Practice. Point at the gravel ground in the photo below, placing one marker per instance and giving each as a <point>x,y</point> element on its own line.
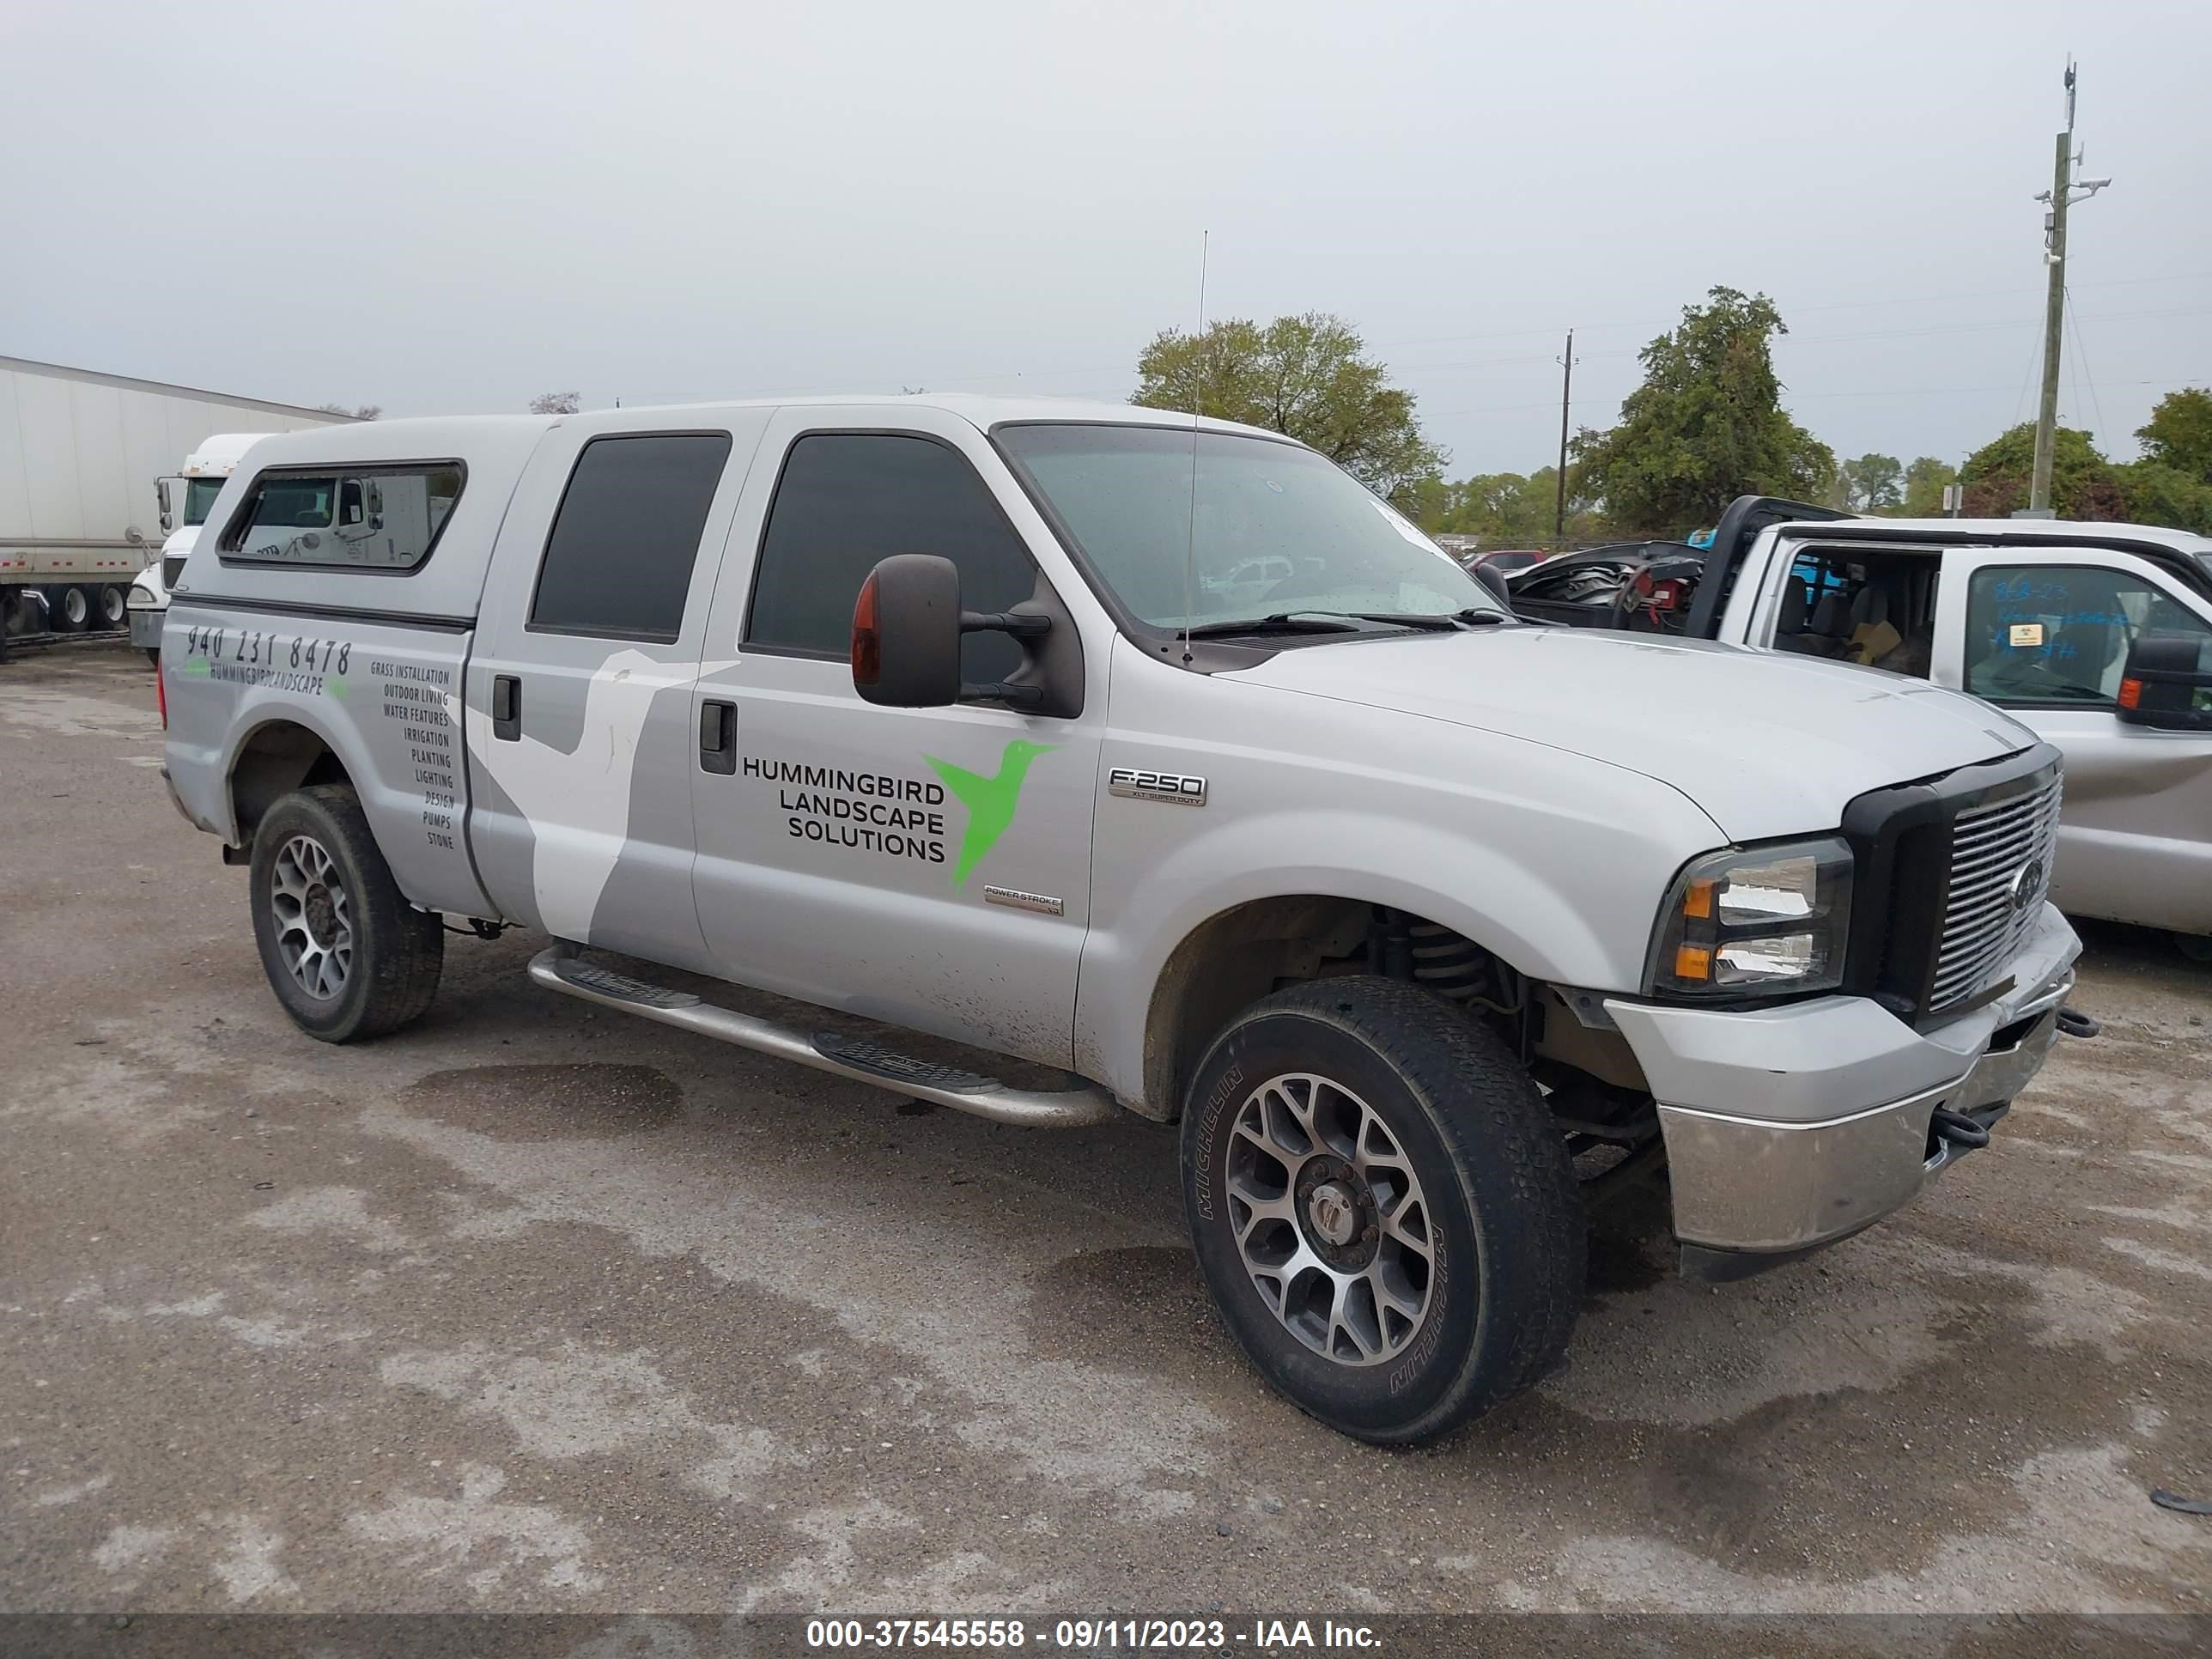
<point>532,1307</point>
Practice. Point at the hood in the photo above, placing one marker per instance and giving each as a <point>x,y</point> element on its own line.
<point>181,541</point>
<point>1767,743</point>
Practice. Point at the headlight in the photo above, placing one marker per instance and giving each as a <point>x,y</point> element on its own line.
<point>1754,921</point>
<point>141,598</point>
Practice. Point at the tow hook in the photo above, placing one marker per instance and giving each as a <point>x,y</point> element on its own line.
<point>1957,1129</point>
<point>2073,1023</point>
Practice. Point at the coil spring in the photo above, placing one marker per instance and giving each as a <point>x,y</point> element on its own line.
<point>1448,963</point>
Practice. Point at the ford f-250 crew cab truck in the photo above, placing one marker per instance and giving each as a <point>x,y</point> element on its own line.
<point>2096,636</point>
<point>1432,929</point>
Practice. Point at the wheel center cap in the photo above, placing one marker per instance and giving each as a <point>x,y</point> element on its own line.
<point>1333,1213</point>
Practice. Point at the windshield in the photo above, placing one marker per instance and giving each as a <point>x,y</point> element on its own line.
<point>1266,527</point>
<point>200,496</point>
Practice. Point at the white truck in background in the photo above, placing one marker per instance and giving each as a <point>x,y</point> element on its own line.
<point>185,497</point>
<point>77,450</point>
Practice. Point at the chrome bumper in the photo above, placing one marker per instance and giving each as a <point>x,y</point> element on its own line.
<point>146,629</point>
<point>1744,1185</point>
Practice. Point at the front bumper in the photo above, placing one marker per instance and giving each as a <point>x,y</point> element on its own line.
<point>146,628</point>
<point>1787,1128</point>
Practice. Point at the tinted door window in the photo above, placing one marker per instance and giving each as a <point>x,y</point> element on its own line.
<point>847,499</point>
<point>2058,634</point>
<point>618,562</point>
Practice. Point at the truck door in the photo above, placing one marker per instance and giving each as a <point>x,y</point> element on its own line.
<point>579,690</point>
<point>929,867</point>
<point>2044,633</point>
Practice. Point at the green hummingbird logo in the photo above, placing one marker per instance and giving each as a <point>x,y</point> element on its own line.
<point>990,801</point>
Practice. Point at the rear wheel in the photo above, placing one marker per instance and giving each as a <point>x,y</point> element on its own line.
<point>1381,1206</point>
<point>68,609</point>
<point>345,953</point>
<point>2198,947</point>
<point>110,609</point>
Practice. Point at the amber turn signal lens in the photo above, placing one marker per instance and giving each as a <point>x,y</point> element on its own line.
<point>867,649</point>
<point>1692,961</point>
<point>1697,899</point>
<point>2130,694</point>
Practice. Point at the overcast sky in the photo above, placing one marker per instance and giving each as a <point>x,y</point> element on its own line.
<point>449,208</point>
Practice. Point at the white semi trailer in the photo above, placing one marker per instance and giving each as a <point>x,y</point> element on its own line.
<point>79,514</point>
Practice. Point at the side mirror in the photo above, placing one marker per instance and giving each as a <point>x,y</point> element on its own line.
<point>169,522</point>
<point>1494,581</point>
<point>905,632</point>
<point>907,625</point>
<point>2167,683</point>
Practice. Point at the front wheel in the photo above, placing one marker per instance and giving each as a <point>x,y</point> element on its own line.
<point>2198,947</point>
<point>345,952</point>
<point>1383,1208</point>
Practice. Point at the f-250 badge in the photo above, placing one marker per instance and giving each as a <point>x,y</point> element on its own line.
<point>1138,784</point>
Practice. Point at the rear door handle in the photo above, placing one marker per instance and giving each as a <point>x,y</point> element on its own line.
<point>718,736</point>
<point>506,707</point>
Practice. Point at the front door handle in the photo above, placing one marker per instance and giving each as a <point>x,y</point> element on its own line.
<point>718,736</point>
<point>506,707</point>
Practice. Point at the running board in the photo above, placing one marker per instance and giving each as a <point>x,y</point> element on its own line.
<point>842,1055</point>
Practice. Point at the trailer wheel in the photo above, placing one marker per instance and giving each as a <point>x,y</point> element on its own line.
<point>346,954</point>
<point>112,610</point>
<point>68,610</point>
<point>1381,1206</point>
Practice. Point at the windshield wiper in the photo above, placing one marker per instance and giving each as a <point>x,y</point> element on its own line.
<point>1337,621</point>
<point>1281,622</point>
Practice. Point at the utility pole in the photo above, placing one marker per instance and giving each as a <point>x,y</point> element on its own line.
<point>1566,390</point>
<point>2060,197</point>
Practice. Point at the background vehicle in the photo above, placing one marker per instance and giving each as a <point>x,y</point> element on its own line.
<point>76,451</point>
<point>1505,559</point>
<point>1579,588</point>
<point>1433,928</point>
<point>2097,636</point>
<point>185,497</point>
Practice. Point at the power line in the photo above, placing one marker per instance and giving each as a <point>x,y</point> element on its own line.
<point>2081,357</point>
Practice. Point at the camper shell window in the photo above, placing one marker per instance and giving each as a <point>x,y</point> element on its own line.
<point>384,518</point>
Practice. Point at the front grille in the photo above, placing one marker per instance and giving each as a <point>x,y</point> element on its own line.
<point>1999,873</point>
<point>173,567</point>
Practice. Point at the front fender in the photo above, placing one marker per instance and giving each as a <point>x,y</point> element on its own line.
<point>1549,909</point>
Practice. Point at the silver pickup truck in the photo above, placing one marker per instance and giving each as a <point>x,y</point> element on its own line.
<point>1433,929</point>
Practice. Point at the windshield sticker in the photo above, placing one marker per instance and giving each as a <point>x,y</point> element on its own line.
<point>2026,633</point>
<point>1412,532</point>
<point>990,801</point>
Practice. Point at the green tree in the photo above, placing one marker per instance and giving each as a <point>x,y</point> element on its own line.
<point>1706,425</point>
<point>2158,494</point>
<point>1874,484</point>
<point>1925,480</point>
<point>2083,483</point>
<point>1309,376</point>
<point>2179,434</point>
<point>1510,509</point>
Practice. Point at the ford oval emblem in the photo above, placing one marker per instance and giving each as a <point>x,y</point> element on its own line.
<point>2026,884</point>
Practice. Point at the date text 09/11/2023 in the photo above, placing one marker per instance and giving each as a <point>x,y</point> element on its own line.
<point>1136,1634</point>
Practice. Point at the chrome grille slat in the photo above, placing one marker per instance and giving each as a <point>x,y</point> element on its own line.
<point>1981,926</point>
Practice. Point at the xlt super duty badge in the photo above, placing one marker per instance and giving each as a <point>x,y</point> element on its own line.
<point>1140,785</point>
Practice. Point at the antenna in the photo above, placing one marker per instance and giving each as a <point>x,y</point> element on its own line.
<point>1197,409</point>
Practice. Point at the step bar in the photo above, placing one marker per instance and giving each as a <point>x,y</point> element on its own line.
<point>559,968</point>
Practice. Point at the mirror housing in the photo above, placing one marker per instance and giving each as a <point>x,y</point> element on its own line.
<point>2167,683</point>
<point>1493,582</point>
<point>905,632</point>
<point>907,624</point>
